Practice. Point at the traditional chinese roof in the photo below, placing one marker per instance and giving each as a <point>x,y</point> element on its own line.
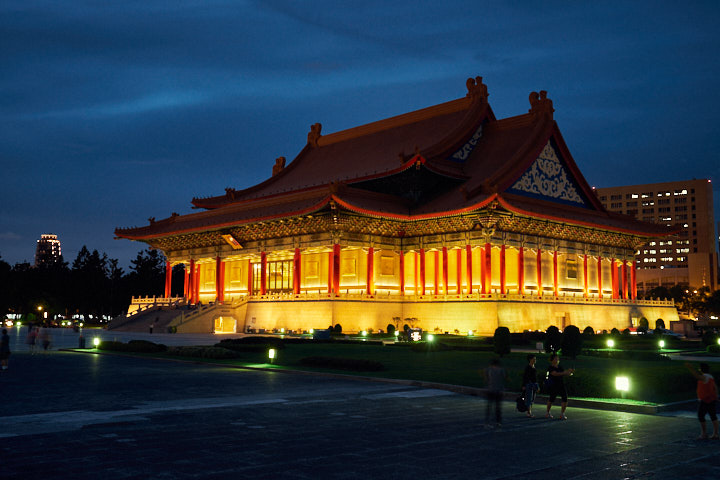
<point>450,159</point>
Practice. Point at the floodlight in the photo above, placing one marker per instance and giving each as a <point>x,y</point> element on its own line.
<point>271,355</point>
<point>661,343</point>
<point>96,341</point>
<point>430,337</point>
<point>622,384</point>
<point>611,343</point>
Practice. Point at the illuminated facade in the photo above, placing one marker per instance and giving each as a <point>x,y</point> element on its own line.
<point>689,258</point>
<point>48,250</point>
<point>446,218</point>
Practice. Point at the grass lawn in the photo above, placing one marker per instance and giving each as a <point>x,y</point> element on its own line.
<point>650,381</point>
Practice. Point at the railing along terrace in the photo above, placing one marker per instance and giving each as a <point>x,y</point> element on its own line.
<point>471,297</point>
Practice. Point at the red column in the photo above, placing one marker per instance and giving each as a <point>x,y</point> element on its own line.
<point>168,279</point>
<point>402,272</point>
<point>488,267</point>
<point>422,271</point>
<point>186,285</point>
<point>613,278</point>
<point>191,283</point>
<point>599,276</point>
<point>370,271</point>
<point>468,269</point>
<point>458,276</point>
<point>623,271</point>
<point>296,272</point>
<point>538,266</point>
<point>521,271</point>
<point>556,287</point>
<point>331,269</point>
<point>502,269</point>
<point>445,270</point>
<point>436,285</point>
<point>219,280</point>
<point>336,268</point>
<point>585,277</point>
<point>263,273</point>
<point>633,280</point>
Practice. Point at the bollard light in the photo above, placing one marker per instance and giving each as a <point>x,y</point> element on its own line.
<point>96,341</point>
<point>271,355</point>
<point>312,331</point>
<point>430,337</point>
<point>363,333</point>
<point>396,333</point>
<point>470,333</point>
<point>661,343</point>
<point>611,343</point>
<point>622,384</point>
<point>718,340</point>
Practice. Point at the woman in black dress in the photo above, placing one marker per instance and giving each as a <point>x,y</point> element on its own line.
<point>556,374</point>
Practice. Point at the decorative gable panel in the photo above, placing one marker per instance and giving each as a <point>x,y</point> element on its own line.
<point>548,179</point>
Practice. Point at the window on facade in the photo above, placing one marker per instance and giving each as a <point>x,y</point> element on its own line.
<point>663,209</point>
<point>648,203</point>
<point>631,204</point>
<point>571,267</point>
<point>635,195</point>
<point>616,205</point>
<point>615,197</point>
<point>647,195</point>
<point>681,192</point>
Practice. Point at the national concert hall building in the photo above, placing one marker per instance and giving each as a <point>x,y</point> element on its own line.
<point>445,218</point>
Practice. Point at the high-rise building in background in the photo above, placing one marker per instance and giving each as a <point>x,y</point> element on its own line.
<point>48,250</point>
<point>688,259</point>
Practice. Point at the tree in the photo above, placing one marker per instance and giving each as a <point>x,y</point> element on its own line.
<point>501,341</point>
<point>571,341</point>
<point>147,274</point>
<point>553,339</point>
<point>643,325</point>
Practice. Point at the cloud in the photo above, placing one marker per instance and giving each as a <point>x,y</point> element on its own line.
<point>12,236</point>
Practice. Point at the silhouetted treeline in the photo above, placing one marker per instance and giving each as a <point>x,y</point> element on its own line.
<point>93,285</point>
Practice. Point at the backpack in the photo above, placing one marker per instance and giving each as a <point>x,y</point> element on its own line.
<point>520,401</point>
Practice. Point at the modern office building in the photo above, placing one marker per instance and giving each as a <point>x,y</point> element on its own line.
<point>48,250</point>
<point>689,258</point>
<point>445,218</point>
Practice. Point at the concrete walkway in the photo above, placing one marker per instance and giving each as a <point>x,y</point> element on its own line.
<point>80,416</point>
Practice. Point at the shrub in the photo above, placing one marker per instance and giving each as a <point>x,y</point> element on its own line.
<point>715,348</point>
<point>501,340</point>
<point>391,328</point>
<point>435,346</point>
<point>251,344</point>
<point>202,352</point>
<point>626,332</point>
<point>615,332</point>
<point>588,331</point>
<point>354,364</point>
<point>643,323</point>
<point>337,328</point>
<point>134,346</point>
<point>660,324</point>
<point>553,339</point>
<point>571,341</point>
<point>709,338</point>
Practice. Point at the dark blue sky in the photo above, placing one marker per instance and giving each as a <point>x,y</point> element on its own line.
<point>110,114</point>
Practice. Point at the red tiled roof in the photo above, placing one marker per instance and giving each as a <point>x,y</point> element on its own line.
<point>428,138</point>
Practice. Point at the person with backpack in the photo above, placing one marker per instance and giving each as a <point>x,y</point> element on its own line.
<point>707,399</point>
<point>556,385</point>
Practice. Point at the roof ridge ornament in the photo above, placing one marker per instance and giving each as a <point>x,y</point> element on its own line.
<point>279,166</point>
<point>314,134</point>
<point>230,193</point>
<point>477,90</point>
<point>540,104</point>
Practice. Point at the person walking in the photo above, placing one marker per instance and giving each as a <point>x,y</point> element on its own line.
<point>707,399</point>
<point>4,349</point>
<point>556,385</point>
<point>495,377</point>
<point>44,338</point>
<point>529,383</point>
<point>31,338</point>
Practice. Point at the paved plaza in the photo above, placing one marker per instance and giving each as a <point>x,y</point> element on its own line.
<point>87,416</point>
